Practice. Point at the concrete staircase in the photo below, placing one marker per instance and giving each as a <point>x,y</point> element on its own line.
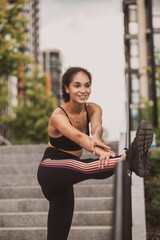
<point>23,209</point>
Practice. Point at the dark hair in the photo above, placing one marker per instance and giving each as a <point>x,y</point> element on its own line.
<point>68,77</point>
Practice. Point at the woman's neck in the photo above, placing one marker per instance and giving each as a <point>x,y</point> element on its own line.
<point>74,107</point>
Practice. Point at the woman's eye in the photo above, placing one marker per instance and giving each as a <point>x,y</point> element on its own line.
<point>77,85</point>
<point>86,85</point>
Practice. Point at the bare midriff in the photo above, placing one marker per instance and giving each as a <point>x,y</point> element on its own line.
<point>75,153</point>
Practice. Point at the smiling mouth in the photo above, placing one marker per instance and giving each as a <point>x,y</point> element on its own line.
<point>83,96</point>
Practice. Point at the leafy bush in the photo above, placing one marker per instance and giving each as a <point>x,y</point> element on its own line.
<point>29,123</point>
<point>152,193</point>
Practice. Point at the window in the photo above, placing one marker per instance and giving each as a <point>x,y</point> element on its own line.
<point>135,89</point>
<point>134,118</point>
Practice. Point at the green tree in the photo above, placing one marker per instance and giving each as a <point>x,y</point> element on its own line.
<point>32,113</point>
<point>152,196</point>
<point>12,38</point>
<point>157,62</point>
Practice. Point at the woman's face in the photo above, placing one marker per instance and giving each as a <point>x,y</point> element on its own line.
<point>80,88</point>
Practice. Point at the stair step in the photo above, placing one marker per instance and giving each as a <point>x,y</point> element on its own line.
<point>23,208</point>
<point>22,158</point>
<point>31,180</point>
<point>14,169</point>
<point>87,218</point>
<point>18,180</point>
<point>41,205</point>
<point>35,191</point>
<point>88,233</point>
<point>39,233</point>
<point>21,149</point>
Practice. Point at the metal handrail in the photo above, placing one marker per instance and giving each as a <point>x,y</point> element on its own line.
<point>122,225</point>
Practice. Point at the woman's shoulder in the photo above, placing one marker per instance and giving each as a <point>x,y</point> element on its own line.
<point>57,121</point>
<point>91,106</point>
<point>58,110</point>
<point>57,114</point>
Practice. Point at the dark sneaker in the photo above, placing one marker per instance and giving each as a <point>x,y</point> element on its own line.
<point>138,153</point>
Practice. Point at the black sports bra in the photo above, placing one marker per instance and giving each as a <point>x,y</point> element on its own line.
<point>65,143</point>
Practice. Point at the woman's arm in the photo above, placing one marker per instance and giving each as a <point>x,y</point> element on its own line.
<point>61,123</point>
<point>95,114</point>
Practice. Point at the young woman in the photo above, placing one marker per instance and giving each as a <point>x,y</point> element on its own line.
<point>61,166</point>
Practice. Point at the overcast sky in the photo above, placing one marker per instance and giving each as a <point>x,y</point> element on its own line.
<point>89,33</point>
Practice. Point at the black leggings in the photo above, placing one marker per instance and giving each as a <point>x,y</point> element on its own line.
<point>57,173</point>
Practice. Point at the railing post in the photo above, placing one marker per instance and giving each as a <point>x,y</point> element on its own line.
<point>122,229</point>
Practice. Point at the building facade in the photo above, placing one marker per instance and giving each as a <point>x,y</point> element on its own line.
<point>31,12</point>
<point>142,35</point>
<point>51,64</point>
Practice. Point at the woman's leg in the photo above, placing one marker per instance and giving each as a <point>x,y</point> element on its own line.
<point>56,180</point>
<point>74,171</point>
<point>60,213</point>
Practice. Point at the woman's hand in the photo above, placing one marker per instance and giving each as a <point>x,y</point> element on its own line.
<point>96,141</point>
<point>104,158</point>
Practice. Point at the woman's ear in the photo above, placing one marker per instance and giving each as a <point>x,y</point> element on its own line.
<point>66,89</point>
